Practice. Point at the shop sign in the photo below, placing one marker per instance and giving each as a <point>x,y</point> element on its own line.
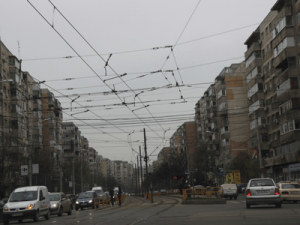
<point>270,170</point>
<point>294,167</point>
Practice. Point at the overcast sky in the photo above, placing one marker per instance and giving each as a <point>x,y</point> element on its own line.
<point>129,29</point>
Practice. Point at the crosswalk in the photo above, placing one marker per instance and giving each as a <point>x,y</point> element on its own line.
<point>235,202</point>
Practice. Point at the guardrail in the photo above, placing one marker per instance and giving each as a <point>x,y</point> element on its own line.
<point>216,192</point>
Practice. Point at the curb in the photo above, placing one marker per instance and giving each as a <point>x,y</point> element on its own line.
<point>204,202</point>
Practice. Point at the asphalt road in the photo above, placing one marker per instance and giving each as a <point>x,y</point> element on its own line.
<point>168,210</point>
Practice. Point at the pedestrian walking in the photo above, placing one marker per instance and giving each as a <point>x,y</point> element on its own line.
<point>120,195</point>
<point>111,194</point>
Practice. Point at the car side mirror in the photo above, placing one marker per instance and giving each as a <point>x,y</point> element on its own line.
<point>42,198</point>
<point>63,199</point>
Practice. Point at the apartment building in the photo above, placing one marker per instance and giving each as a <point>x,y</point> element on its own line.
<point>222,120</point>
<point>52,137</point>
<point>84,149</point>
<point>164,156</point>
<point>281,87</point>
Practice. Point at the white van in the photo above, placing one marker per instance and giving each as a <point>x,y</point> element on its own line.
<point>27,203</point>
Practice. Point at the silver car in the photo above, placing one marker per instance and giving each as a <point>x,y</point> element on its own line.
<point>60,204</point>
<point>262,191</point>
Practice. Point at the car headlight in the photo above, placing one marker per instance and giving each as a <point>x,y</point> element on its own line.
<point>90,201</point>
<point>30,206</point>
<point>77,202</point>
<point>5,208</point>
<point>54,205</point>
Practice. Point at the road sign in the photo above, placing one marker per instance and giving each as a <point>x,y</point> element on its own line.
<point>261,170</point>
<point>186,172</point>
<point>254,153</point>
<point>70,183</point>
<point>24,170</point>
<point>35,168</point>
<point>261,166</point>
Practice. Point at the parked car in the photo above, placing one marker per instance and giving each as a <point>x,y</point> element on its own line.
<point>27,203</point>
<point>262,191</point>
<point>60,204</point>
<point>72,198</point>
<point>240,187</point>
<point>289,192</point>
<point>228,191</point>
<point>85,200</point>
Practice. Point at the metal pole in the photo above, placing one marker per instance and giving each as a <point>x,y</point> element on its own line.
<point>138,174</point>
<point>30,169</point>
<point>135,179</point>
<point>73,178</point>
<point>141,172</point>
<point>81,180</point>
<point>146,161</point>
<point>259,151</point>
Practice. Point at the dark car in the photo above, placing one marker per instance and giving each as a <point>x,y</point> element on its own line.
<point>85,200</point>
<point>240,186</point>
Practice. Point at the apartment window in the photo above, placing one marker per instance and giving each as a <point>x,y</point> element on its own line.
<point>253,73</point>
<point>298,17</point>
<point>289,126</point>
<point>4,74</point>
<point>226,142</point>
<point>298,38</point>
<point>291,83</point>
<point>256,105</point>
<point>262,35</point>
<point>287,42</point>
<point>268,48</point>
<point>253,124</point>
<point>264,138</point>
<point>291,62</point>
<point>263,53</point>
<point>257,87</point>
<point>5,106</point>
<point>222,105</point>
<point>252,57</point>
<point>286,21</point>
<point>221,93</point>
<point>267,30</point>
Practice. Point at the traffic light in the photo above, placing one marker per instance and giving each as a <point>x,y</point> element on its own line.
<point>175,177</point>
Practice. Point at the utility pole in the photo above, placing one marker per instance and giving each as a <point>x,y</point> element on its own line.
<point>141,172</point>
<point>73,177</point>
<point>146,161</point>
<point>30,166</point>
<point>81,180</point>
<point>135,180</point>
<point>138,174</point>
<point>259,151</point>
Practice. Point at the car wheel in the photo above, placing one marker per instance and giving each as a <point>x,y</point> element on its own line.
<point>60,211</point>
<point>278,205</point>
<point>235,197</point>
<point>36,217</point>
<point>6,221</point>
<point>20,221</point>
<point>47,216</point>
<point>70,211</point>
<point>247,205</point>
<point>76,209</point>
<point>81,208</point>
<point>230,197</point>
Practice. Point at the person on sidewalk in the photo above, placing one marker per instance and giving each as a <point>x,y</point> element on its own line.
<point>120,195</point>
<point>111,194</point>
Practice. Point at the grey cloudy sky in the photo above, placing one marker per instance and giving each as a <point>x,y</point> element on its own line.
<point>119,27</point>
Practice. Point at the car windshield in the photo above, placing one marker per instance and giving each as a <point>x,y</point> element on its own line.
<point>261,182</point>
<point>290,186</point>
<point>86,195</point>
<point>54,197</point>
<point>99,192</point>
<point>23,196</point>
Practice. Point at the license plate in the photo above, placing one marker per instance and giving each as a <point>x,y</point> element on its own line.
<point>263,192</point>
<point>17,214</point>
<point>84,204</point>
<point>294,192</point>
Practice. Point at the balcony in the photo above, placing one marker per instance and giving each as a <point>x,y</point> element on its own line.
<point>285,32</point>
<point>282,159</point>
<point>253,47</point>
<point>288,94</point>
<point>280,60</point>
<point>286,74</point>
<point>290,136</point>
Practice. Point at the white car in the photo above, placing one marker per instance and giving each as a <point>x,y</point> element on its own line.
<point>262,191</point>
<point>27,203</point>
<point>229,191</point>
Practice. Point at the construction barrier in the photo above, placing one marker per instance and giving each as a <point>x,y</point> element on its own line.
<point>207,192</point>
<point>104,201</point>
<point>117,199</point>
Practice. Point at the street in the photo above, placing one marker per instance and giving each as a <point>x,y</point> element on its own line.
<point>168,210</point>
